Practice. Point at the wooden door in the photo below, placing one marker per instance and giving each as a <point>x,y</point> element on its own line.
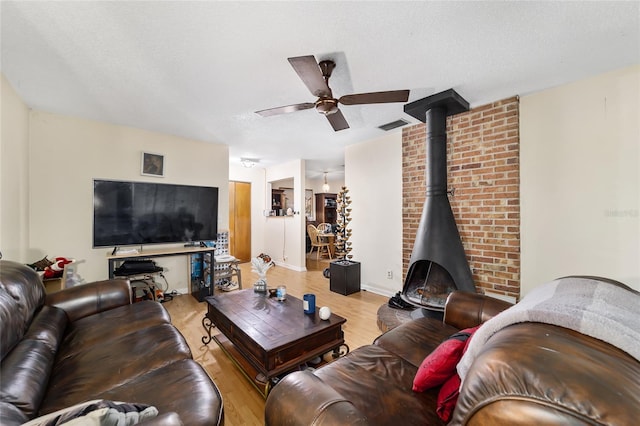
<point>240,220</point>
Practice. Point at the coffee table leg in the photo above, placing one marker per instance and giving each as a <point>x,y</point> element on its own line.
<point>341,350</point>
<point>268,384</point>
<point>267,388</point>
<point>208,326</point>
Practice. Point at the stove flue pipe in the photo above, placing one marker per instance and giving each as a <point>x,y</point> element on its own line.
<point>436,151</point>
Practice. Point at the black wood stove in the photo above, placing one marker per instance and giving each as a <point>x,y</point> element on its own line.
<point>438,263</point>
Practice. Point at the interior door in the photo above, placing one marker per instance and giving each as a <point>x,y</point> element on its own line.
<point>240,220</point>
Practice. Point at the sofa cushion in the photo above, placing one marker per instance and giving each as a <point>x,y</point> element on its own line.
<point>181,386</point>
<point>415,339</point>
<point>114,323</point>
<point>25,370</point>
<point>100,367</point>
<point>21,294</point>
<point>378,383</point>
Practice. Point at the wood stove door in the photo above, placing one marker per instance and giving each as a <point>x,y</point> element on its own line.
<point>428,284</point>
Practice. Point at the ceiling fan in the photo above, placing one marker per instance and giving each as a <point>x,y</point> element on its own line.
<point>316,77</point>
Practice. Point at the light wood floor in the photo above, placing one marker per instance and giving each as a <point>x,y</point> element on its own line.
<point>243,405</point>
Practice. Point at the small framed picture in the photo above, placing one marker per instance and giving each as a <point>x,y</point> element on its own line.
<point>152,164</point>
<point>308,203</point>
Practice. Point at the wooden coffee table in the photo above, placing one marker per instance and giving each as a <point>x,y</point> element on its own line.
<point>267,339</point>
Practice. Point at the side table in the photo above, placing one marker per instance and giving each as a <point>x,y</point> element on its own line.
<point>227,270</point>
<point>344,277</point>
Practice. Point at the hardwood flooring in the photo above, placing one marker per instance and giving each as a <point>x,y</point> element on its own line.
<point>243,405</point>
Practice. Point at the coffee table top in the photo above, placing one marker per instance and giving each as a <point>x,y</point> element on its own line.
<point>269,323</point>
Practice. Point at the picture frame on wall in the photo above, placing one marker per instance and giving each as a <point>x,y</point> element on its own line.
<point>308,203</point>
<point>152,164</point>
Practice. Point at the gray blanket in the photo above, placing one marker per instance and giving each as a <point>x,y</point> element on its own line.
<point>596,308</point>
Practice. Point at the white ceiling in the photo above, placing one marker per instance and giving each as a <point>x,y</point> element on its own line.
<point>200,69</point>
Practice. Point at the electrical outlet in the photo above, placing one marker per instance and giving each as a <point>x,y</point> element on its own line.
<point>389,274</point>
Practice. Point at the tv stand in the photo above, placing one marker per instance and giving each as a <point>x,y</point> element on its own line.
<point>116,259</point>
<point>125,251</point>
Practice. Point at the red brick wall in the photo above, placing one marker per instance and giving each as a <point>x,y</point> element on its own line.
<point>483,169</point>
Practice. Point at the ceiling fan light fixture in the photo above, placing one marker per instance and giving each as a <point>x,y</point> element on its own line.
<point>327,106</point>
<point>325,185</point>
<point>249,162</point>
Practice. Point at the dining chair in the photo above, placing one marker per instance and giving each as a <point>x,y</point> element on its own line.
<point>317,243</point>
<point>324,228</point>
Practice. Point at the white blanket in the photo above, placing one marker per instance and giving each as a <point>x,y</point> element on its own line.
<point>596,308</point>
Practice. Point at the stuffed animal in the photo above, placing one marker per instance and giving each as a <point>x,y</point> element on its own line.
<point>56,269</point>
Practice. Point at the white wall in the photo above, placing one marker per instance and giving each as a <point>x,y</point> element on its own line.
<point>67,153</point>
<point>14,176</point>
<point>580,180</point>
<point>373,175</point>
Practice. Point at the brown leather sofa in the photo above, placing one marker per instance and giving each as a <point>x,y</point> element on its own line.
<point>90,342</point>
<point>527,373</point>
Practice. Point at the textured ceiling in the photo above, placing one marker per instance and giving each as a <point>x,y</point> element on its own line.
<point>200,69</point>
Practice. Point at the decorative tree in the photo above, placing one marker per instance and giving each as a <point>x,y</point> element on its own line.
<point>343,233</point>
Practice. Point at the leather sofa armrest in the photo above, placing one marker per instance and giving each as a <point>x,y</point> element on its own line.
<point>88,299</point>
<point>541,374</point>
<point>465,310</point>
<point>164,419</point>
<point>301,398</point>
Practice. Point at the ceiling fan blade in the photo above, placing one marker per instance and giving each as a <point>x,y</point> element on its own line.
<point>309,71</point>
<point>285,109</point>
<point>375,97</point>
<point>337,120</point>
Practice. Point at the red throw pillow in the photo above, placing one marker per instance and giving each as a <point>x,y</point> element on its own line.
<point>440,364</point>
<point>448,397</point>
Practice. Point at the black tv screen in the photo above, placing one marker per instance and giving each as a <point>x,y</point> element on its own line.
<point>137,213</point>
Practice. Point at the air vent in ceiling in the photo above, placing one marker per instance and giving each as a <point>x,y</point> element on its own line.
<point>393,125</point>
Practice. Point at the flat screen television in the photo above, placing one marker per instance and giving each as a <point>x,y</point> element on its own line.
<point>137,213</point>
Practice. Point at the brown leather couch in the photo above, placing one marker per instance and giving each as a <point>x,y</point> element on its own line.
<point>90,342</point>
<point>527,373</point>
